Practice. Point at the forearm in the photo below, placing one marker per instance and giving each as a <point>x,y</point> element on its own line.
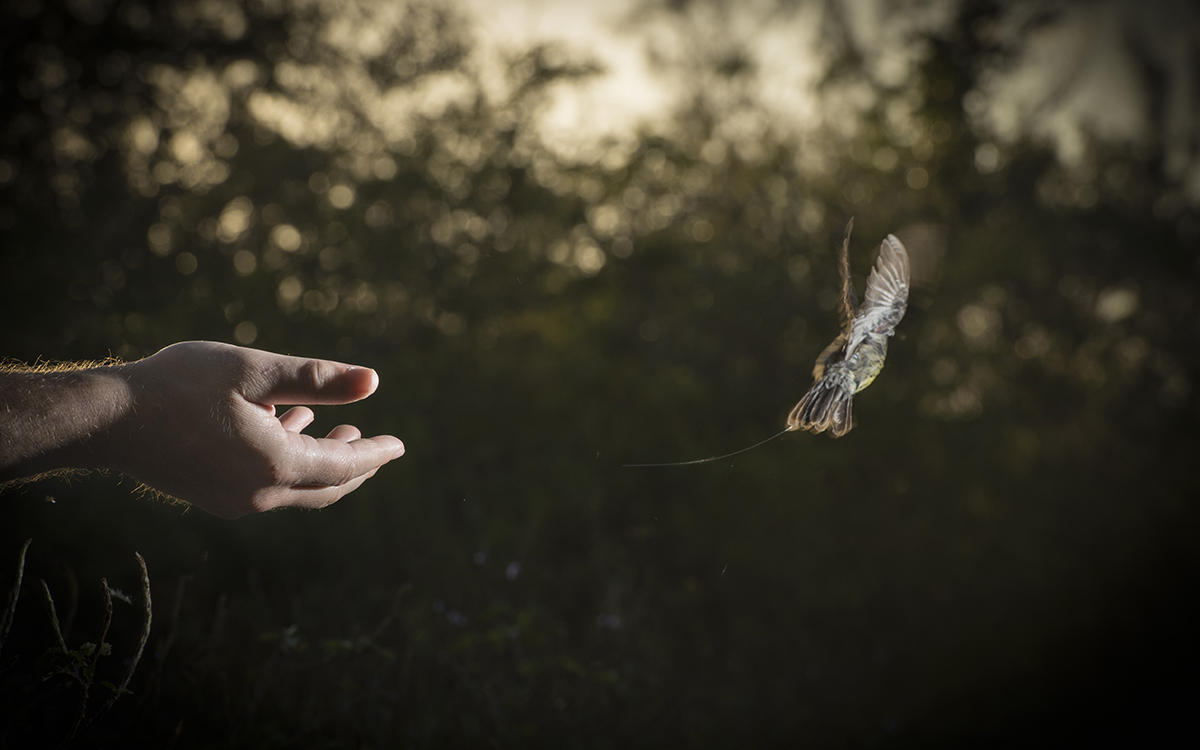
<point>59,419</point>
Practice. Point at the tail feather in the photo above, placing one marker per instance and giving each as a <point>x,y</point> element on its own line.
<point>842,418</point>
<point>826,406</point>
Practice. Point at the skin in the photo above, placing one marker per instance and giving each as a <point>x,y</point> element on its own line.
<point>196,421</point>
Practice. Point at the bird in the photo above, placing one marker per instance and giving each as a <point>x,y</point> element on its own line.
<point>855,358</point>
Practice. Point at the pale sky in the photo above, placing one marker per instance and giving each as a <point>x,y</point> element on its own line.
<point>1076,77</point>
<point>609,105</point>
<point>1066,83</point>
<point>787,48</point>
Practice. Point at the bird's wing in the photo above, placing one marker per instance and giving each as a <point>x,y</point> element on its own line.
<point>847,300</point>
<point>887,295</point>
<point>831,354</point>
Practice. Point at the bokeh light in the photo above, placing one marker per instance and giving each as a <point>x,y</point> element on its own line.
<point>572,236</point>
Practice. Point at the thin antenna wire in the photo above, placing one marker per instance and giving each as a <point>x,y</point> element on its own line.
<point>714,458</point>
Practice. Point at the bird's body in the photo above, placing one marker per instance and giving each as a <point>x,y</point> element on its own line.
<point>855,358</point>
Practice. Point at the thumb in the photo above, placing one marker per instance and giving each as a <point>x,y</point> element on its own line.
<point>296,380</point>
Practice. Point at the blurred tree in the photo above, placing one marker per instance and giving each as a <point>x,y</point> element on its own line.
<point>1004,536</point>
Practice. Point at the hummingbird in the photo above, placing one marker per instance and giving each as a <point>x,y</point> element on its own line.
<point>855,357</point>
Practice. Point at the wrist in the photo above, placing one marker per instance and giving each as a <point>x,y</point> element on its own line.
<point>111,406</point>
<point>64,419</point>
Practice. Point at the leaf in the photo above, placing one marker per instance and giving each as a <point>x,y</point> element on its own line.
<point>115,689</point>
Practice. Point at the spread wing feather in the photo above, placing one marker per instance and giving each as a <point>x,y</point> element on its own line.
<point>886,297</point>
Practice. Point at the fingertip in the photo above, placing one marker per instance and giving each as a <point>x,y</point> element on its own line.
<point>344,433</point>
<point>296,418</point>
<point>364,379</point>
<point>399,451</point>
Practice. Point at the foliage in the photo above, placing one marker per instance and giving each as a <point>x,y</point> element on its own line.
<point>1008,525</point>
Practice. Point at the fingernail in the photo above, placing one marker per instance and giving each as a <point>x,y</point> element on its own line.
<point>372,381</point>
<point>399,451</point>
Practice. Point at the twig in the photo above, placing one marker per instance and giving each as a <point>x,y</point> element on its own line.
<point>10,612</point>
<point>164,644</point>
<point>145,627</point>
<point>62,644</point>
<point>103,626</point>
<point>90,675</point>
<point>137,655</point>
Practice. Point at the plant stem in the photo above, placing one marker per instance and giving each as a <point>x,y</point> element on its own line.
<point>90,675</point>
<point>62,644</point>
<point>10,612</point>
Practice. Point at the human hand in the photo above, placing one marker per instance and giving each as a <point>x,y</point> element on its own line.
<point>202,428</point>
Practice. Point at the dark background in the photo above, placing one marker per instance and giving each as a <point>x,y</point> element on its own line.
<point>1002,551</point>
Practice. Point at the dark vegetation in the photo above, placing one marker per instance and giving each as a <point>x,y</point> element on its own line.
<point>1004,547</point>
